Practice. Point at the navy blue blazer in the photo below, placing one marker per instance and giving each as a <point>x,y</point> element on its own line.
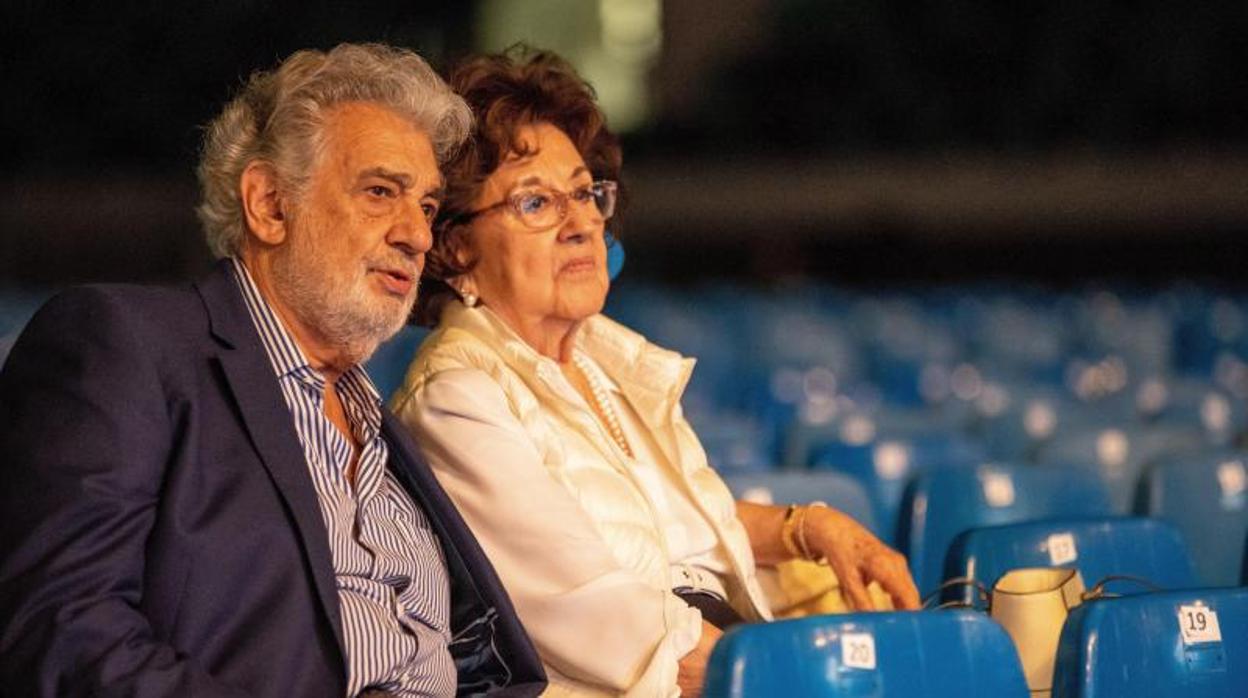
<point>159,531</point>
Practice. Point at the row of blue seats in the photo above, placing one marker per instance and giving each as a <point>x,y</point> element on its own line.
<point>1015,424</point>
<point>1013,370</point>
<point>889,337</point>
<point>996,364</point>
<point>1206,501</point>
<point>1158,645</point>
<point>1147,627</point>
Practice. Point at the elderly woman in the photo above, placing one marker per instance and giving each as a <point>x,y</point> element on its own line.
<point>559,433</point>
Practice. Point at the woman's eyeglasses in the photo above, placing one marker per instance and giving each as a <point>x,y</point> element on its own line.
<point>543,208</point>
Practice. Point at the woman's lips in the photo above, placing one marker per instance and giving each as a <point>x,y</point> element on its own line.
<point>578,266</point>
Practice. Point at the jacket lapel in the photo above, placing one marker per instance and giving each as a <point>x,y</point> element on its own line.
<point>420,484</point>
<point>266,417</point>
<point>504,654</point>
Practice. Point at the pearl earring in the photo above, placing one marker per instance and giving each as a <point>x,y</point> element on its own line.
<point>470,298</point>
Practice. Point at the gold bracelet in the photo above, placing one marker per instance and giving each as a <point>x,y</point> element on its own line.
<point>801,531</point>
<point>786,531</point>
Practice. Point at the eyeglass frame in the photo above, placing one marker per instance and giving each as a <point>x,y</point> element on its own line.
<point>561,199</point>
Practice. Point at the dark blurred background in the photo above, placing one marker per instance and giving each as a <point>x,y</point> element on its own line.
<point>861,142</point>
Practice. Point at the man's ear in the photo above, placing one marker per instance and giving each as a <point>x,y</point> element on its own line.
<point>262,203</point>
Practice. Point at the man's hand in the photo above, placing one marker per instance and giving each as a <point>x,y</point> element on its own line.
<point>858,558</point>
<point>692,672</point>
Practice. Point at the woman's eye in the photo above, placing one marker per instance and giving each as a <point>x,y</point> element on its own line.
<point>583,195</point>
<point>533,203</point>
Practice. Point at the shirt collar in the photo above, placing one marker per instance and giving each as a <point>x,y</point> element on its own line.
<point>651,377</point>
<point>288,360</point>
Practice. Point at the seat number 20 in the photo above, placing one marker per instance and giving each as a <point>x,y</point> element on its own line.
<point>858,650</point>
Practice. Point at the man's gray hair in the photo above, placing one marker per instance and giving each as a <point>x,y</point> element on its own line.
<point>278,118</point>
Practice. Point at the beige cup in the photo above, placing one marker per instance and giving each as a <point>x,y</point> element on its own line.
<point>1032,604</point>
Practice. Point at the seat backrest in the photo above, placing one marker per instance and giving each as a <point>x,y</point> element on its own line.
<point>943,503</point>
<point>834,489</point>
<point>1118,453</point>
<point>1182,643</point>
<point>1207,500</point>
<point>883,655</point>
<point>1098,547</point>
<point>388,365</point>
<point>885,465</point>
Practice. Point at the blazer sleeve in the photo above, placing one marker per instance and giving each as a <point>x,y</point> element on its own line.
<point>85,434</point>
<point>591,619</point>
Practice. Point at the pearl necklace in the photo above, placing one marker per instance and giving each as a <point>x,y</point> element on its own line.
<point>603,401</point>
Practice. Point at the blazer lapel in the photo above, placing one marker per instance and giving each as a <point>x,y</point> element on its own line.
<point>421,485</point>
<point>268,423</point>
<point>466,562</point>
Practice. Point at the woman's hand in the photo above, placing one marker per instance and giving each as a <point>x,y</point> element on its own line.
<point>858,558</point>
<point>692,674</point>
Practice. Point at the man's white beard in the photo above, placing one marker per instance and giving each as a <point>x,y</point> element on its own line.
<point>337,303</point>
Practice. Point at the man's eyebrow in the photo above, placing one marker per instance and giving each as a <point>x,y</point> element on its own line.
<point>399,178</point>
<point>437,191</point>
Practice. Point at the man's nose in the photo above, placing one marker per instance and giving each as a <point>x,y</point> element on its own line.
<point>412,232</point>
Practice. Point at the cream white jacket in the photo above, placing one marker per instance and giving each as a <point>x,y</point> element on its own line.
<point>550,497</point>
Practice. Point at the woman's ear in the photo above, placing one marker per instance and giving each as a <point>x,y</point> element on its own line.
<point>457,245</point>
<point>262,203</point>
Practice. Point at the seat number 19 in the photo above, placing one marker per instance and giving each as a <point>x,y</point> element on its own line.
<point>1199,623</point>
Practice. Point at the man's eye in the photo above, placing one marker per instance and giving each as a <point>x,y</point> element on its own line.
<point>381,191</point>
<point>532,203</point>
<point>430,210</point>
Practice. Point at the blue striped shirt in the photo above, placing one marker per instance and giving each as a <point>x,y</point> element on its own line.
<point>393,589</point>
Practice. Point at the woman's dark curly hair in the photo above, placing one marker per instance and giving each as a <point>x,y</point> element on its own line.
<point>506,91</point>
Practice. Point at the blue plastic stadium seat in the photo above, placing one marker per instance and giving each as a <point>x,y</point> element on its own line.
<point>1097,547</point>
<point>959,654</point>
<point>733,443</point>
<point>1118,453</point>
<point>1020,432</point>
<point>389,363</point>
<point>943,503</point>
<point>1134,646</point>
<point>885,465</point>
<point>1207,499</point>
<point>834,489</point>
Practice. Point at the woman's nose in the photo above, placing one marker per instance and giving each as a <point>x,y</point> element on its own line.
<point>584,221</point>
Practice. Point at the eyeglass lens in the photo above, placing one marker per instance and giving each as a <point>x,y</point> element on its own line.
<point>542,208</point>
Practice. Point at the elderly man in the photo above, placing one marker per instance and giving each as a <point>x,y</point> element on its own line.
<point>202,493</point>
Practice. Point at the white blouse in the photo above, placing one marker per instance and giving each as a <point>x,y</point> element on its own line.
<point>690,538</point>
<point>578,532</point>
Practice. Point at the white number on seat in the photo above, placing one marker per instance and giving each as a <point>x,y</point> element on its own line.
<point>1062,549</point>
<point>1199,623</point>
<point>858,650</point>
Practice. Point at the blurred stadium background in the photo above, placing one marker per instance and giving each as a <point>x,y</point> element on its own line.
<point>987,239</point>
